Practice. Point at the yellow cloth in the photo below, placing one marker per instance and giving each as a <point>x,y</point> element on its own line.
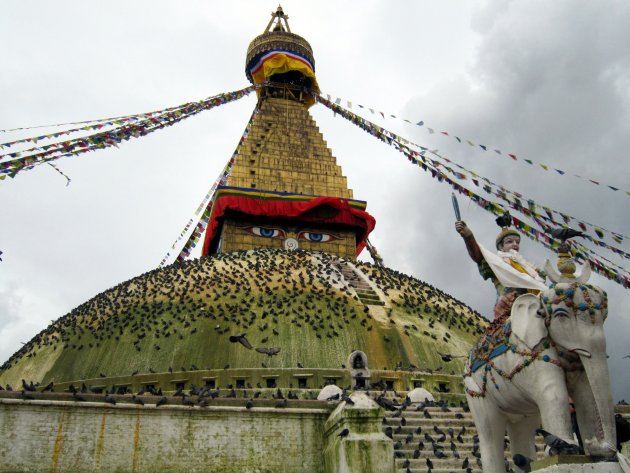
<point>519,268</point>
<point>279,63</point>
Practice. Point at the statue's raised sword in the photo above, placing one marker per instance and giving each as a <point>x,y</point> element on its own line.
<point>458,216</point>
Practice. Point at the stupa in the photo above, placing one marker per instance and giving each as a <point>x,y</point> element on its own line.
<point>279,265</point>
<point>278,300</point>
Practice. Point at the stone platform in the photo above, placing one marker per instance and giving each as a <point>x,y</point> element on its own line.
<point>574,464</point>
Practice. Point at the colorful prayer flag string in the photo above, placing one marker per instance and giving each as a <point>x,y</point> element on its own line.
<point>503,193</point>
<point>488,205</point>
<point>515,203</point>
<point>207,202</point>
<point>477,145</point>
<point>12,167</point>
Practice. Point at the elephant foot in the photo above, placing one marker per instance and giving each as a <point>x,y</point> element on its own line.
<point>601,450</point>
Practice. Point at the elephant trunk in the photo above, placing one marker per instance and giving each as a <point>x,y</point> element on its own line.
<point>595,409</point>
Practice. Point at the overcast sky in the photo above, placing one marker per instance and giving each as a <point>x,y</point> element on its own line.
<point>548,81</point>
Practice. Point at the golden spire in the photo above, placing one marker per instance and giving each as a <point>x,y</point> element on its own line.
<point>283,61</point>
<point>278,16</point>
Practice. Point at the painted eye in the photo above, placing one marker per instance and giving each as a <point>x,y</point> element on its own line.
<point>317,237</point>
<point>561,313</point>
<point>266,232</point>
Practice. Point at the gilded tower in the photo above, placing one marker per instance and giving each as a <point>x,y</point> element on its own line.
<point>286,189</point>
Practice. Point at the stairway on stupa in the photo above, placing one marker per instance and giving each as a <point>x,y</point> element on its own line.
<point>364,291</point>
<point>413,432</point>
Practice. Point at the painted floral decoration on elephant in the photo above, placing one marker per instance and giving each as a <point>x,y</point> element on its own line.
<point>494,343</point>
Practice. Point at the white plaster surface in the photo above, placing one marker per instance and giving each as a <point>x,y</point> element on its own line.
<point>362,401</point>
<point>604,467</point>
<point>328,391</point>
<point>420,395</point>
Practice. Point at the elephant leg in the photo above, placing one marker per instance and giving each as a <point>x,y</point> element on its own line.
<point>490,423</point>
<point>522,434</point>
<point>552,399</point>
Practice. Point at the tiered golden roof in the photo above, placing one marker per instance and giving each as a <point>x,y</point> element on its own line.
<point>286,152</point>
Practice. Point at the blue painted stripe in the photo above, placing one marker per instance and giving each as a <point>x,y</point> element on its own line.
<point>496,352</point>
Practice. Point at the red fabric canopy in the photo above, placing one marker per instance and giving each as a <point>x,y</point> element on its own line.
<point>297,210</point>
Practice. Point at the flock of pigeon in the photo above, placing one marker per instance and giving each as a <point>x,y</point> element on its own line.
<point>235,293</point>
<point>194,396</point>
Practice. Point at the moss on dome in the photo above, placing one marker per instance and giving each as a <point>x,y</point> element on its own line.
<point>181,317</point>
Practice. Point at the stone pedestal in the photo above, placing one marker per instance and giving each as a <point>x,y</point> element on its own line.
<point>574,464</point>
<point>363,448</point>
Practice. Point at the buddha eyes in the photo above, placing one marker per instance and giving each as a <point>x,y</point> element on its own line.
<point>317,237</point>
<point>267,232</point>
<point>271,232</point>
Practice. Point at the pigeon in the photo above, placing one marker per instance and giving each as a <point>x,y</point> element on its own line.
<point>557,445</point>
<point>240,338</point>
<point>28,387</point>
<point>522,462</point>
<point>447,357</point>
<point>268,351</point>
<point>346,399</point>
<point>563,234</point>
<point>504,220</point>
<point>343,433</point>
<point>439,453</point>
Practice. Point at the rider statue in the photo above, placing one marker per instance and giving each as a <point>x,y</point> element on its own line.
<point>511,274</point>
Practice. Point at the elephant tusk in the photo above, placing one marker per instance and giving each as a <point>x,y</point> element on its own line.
<point>581,352</point>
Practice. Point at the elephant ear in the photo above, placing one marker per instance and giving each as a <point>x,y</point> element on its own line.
<point>527,325</point>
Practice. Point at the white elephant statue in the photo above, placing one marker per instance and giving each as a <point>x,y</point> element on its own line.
<point>551,348</point>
